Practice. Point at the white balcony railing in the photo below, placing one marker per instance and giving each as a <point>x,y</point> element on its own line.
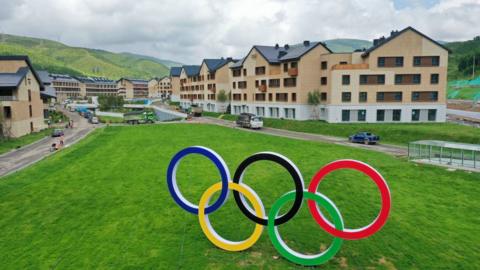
<point>8,98</point>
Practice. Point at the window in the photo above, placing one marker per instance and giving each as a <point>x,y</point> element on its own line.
<point>345,79</point>
<point>397,114</point>
<point>345,115</point>
<point>244,72</point>
<point>274,82</point>
<point>362,97</point>
<point>323,81</point>
<point>417,61</point>
<point>372,79</point>
<point>398,79</point>
<point>236,72</point>
<point>399,61</point>
<point>362,115</point>
<point>380,79</point>
<point>237,97</point>
<point>290,82</point>
<point>415,96</point>
<point>416,115</point>
<point>380,96</point>
<point>293,65</point>
<point>7,112</point>
<point>432,115</point>
<point>234,85</point>
<point>425,96</point>
<point>363,79</point>
<point>289,113</point>
<point>380,115</point>
<point>324,65</point>
<point>323,96</point>
<point>397,96</point>
<point>381,62</point>
<point>256,83</point>
<point>259,97</point>
<point>294,97</point>
<point>30,110</point>
<point>417,78</point>
<point>270,97</point>
<point>435,61</point>
<point>274,112</point>
<point>389,96</point>
<point>29,95</point>
<point>245,97</point>
<point>259,70</point>
<point>261,111</point>
<point>346,96</point>
<point>343,62</point>
<point>242,85</point>
<point>434,78</point>
<point>282,97</point>
<point>285,67</point>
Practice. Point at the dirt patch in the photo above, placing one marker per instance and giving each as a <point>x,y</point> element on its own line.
<point>384,262</point>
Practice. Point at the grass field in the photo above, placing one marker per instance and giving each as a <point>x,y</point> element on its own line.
<point>12,143</point>
<point>467,93</point>
<point>399,134</point>
<point>104,203</point>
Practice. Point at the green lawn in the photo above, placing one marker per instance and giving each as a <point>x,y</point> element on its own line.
<point>400,134</point>
<point>12,143</point>
<point>103,203</point>
<point>468,93</point>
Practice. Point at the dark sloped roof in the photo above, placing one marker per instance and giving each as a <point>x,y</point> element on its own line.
<point>44,76</point>
<point>99,80</point>
<point>27,60</point>
<point>214,64</point>
<point>13,80</point>
<point>175,71</point>
<point>62,78</point>
<point>278,54</point>
<point>191,70</point>
<point>391,37</point>
<point>238,63</point>
<point>134,81</point>
<point>49,92</point>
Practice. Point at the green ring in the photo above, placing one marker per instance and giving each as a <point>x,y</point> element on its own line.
<point>296,257</point>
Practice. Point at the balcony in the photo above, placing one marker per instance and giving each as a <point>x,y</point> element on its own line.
<point>293,72</point>
<point>350,66</point>
<point>262,88</point>
<point>8,98</point>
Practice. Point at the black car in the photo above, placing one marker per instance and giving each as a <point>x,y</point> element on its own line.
<point>57,132</point>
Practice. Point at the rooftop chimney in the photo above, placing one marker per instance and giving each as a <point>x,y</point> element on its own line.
<point>306,43</point>
<point>276,46</point>
<point>286,47</point>
<point>229,58</point>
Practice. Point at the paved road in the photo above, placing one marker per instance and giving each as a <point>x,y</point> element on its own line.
<point>469,114</point>
<point>384,148</point>
<point>18,159</point>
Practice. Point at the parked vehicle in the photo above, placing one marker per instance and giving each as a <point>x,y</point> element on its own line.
<point>57,132</point>
<point>364,137</point>
<point>93,120</point>
<point>249,120</point>
<point>196,111</point>
<point>139,117</point>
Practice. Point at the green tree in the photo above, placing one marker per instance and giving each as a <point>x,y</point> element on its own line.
<point>222,96</point>
<point>314,101</point>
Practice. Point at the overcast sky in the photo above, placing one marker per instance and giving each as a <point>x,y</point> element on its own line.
<point>188,31</point>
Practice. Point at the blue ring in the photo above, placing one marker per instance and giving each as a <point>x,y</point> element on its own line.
<point>172,181</point>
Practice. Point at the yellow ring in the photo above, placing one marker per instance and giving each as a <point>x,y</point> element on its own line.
<point>207,228</point>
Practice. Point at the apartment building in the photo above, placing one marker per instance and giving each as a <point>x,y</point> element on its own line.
<point>48,95</point>
<point>67,87</point>
<point>97,86</point>
<point>274,81</point>
<point>21,108</point>
<point>401,78</point>
<point>200,84</point>
<point>175,83</point>
<point>132,88</point>
<point>160,87</point>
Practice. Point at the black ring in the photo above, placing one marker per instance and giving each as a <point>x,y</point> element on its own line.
<point>291,168</point>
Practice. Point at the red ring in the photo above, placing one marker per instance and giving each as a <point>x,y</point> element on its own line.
<point>351,234</point>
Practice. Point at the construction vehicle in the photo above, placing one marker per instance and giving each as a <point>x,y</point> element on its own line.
<point>139,117</point>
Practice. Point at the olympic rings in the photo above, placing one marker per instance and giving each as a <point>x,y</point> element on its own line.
<point>291,168</point>
<point>272,220</point>
<point>352,234</point>
<point>292,255</point>
<point>210,232</point>
<point>172,178</point>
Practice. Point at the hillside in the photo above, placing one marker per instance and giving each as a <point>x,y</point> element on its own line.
<point>60,58</point>
<point>461,60</point>
<point>347,45</point>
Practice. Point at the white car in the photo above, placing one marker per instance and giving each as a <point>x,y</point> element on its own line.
<point>256,122</point>
<point>94,120</point>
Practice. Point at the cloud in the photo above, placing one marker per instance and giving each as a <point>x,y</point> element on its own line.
<point>189,31</point>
